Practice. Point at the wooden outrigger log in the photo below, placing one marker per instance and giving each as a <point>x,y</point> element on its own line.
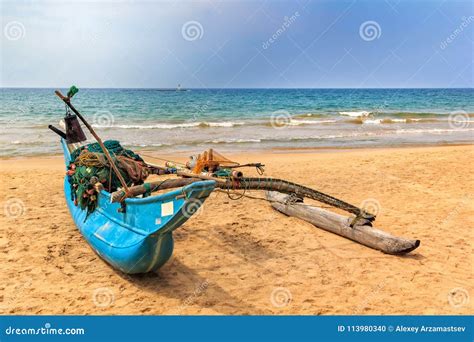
<point>341,225</point>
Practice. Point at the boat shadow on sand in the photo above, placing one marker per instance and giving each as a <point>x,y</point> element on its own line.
<point>195,293</point>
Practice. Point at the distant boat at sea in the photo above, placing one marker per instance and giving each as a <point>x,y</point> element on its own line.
<point>178,88</point>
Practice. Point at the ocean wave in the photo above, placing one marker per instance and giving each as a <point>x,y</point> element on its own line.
<point>231,141</point>
<point>294,122</point>
<point>222,124</point>
<point>433,130</point>
<point>290,139</point>
<point>356,114</point>
<point>398,114</point>
<point>225,124</point>
<point>311,115</point>
<point>372,121</point>
<point>201,124</point>
<point>419,114</point>
<point>350,135</point>
<point>385,120</point>
<point>130,144</point>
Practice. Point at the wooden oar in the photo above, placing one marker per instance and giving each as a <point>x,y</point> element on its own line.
<point>67,101</point>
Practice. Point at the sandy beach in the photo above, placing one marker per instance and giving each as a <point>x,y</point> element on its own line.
<point>242,257</point>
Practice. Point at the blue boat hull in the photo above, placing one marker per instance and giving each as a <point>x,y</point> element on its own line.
<point>140,239</point>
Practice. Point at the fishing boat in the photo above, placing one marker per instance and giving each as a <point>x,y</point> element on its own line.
<point>129,222</point>
<point>139,239</point>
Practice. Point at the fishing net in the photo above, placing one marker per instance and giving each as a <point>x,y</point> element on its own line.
<point>90,166</point>
<point>210,161</point>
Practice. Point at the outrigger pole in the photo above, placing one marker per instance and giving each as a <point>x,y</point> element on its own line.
<point>67,101</point>
<point>250,183</point>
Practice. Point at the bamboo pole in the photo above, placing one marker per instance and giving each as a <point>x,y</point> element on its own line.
<point>183,173</point>
<point>280,185</point>
<point>263,184</point>
<point>99,140</point>
<point>152,186</point>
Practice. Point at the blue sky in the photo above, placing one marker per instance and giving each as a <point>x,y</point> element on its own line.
<point>237,44</point>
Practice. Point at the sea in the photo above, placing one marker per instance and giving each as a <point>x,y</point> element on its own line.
<point>192,120</point>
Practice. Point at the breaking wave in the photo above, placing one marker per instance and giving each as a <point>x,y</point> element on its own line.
<point>176,125</point>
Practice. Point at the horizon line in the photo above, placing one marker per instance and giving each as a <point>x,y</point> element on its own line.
<point>234,88</point>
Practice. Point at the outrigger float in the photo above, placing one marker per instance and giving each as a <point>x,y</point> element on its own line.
<point>130,225</point>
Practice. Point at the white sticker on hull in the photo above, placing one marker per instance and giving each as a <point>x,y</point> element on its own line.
<point>167,209</point>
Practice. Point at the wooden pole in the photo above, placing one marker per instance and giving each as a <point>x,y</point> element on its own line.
<point>99,140</point>
<point>263,184</point>
<point>152,186</point>
<point>280,185</point>
<point>188,174</point>
<point>340,225</point>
